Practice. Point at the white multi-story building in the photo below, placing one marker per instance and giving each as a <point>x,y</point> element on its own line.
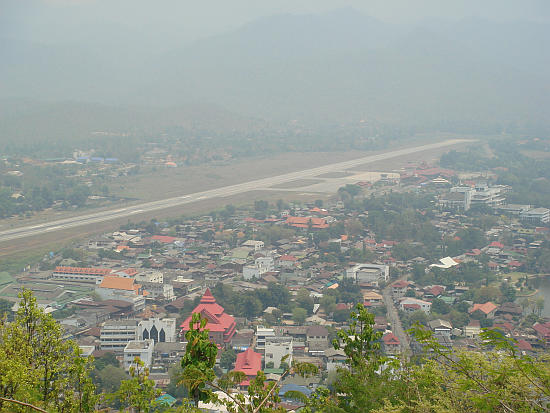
<point>276,348</point>
<point>536,216</point>
<point>410,304</point>
<point>369,273</point>
<point>261,336</point>
<point>261,266</point>
<point>481,194</point>
<point>153,283</point>
<point>121,288</point>
<point>138,348</point>
<point>257,245</point>
<point>115,334</point>
<point>158,330</point>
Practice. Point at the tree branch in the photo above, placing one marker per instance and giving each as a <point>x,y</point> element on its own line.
<point>38,409</point>
<point>227,394</point>
<point>257,409</point>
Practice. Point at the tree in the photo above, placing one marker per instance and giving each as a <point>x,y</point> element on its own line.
<point>38,366</point>
<point>458,319</point>
<point>108,379</point>
<point>508,292</point>
<point>199,359</point>
<point>440,307</point>
<point>299,315</point>
<point>199,378</point>
<point>485,294</point>
<point>418,317</point>
<point>360,385</point>
<point>328,303</point>
<point>304,300</point>
<point>359,341</point>
<point>539,305</point>
<point>498,379</point>
<point>227,359</point>
<point>138,393</point>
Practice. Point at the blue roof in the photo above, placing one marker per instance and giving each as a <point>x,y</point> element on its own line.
<point>294,387</point>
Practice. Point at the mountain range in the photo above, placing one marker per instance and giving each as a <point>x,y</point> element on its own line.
<point>340,66</point>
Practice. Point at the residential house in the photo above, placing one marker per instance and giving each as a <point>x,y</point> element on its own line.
<point>442,331</point>
<point>473,329</point>
<point>317,338</point>
<point>257,245</point>
<point>335,359</point>
<point>410,304</point>
<point>391,344</point>
<point>399,289</point>
<point>153,282</point>
<point>488,309</point>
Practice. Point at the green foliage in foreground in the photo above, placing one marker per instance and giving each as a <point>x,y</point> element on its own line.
<point>39,368</point>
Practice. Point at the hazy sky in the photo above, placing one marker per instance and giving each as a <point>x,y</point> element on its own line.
<point>184,20</point>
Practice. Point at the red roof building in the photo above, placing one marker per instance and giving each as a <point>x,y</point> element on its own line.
<point>221,326</point>
<point>82,271</point>
<point>391,343</point>
<point>249,362</point>
<point>164,239</point>
<point>543,332</point>
<point>304,222</point>
<point>487,308</point>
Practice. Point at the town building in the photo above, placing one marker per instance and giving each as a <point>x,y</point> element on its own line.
<point>261,266</point>
<point>481,194</point>
<point>115,334</point>
<point>317,338</point>
<point>138,348</point>
<point>122,288</point>
<point>399,289</point>
<point>153,283</point>
<point>276,348</point>
<point>410,304</point>
<point>221,325</point>
<point>248,362</point>
<point>442,329</point>
<point>391,344</point>
<point>473,329</point>
<point>261,336</point>
<point>307,222</point>
<point>158,330</point>
<point>257,245</point>
<point>80,274</point>
<point>488,309</point>
<point>369,273</point>
<point>536,216</point>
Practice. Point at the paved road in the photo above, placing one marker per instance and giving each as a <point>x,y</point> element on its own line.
<point>62,224</point>
<point>393,317</point>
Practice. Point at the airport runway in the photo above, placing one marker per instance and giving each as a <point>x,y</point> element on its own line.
<point>62,224</point>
